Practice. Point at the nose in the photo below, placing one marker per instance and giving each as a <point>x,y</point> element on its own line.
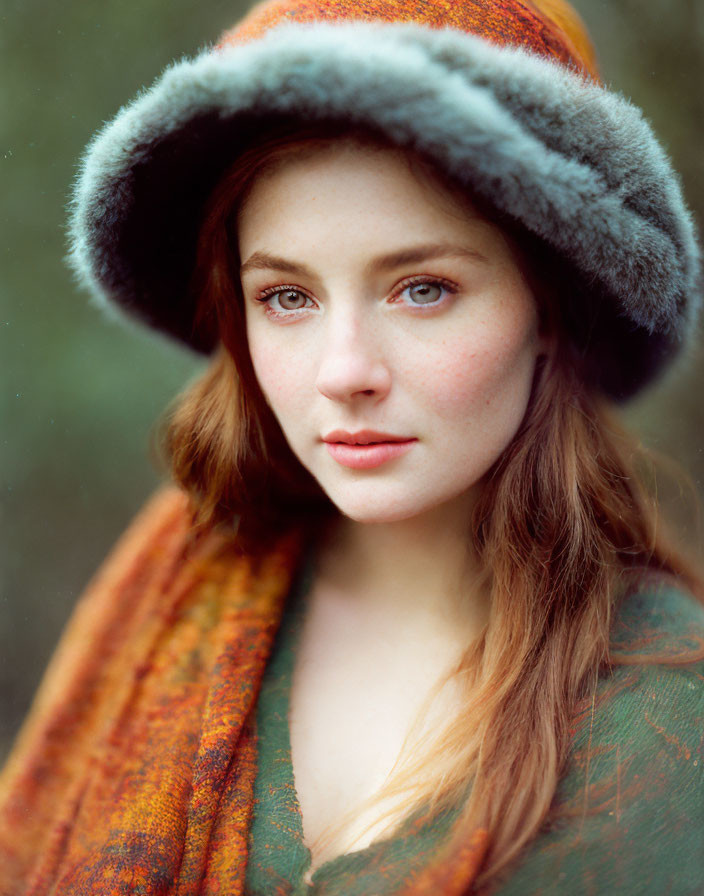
<point>352,359</point>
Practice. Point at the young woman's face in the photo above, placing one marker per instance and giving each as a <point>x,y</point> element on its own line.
<point>374,300</point>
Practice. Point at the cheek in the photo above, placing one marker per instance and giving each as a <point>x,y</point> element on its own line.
<point>487,374</point>
<point>279,380</point>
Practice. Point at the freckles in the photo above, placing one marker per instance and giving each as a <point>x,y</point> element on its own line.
<point>457,378</point>
<point>270,369</point>
<point>475,376</point>
<point>284,380</point>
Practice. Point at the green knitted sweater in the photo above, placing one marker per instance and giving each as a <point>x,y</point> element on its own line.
<point>634,782</point>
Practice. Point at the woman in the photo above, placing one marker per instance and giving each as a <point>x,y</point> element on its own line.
<point>409,624</point>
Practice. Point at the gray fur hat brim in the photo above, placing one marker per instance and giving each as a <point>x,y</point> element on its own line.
<point>573,163</point>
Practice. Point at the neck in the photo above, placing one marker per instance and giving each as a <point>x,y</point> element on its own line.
<point>420,571</point>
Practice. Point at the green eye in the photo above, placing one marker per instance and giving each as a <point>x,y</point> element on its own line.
<point>288,298</point>
<point>425,293</point>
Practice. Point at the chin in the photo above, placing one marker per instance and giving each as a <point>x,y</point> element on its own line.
<point>381,507</point>
<point>380,517</point>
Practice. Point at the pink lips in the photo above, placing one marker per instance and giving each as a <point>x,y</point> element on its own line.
<point>365,449</point>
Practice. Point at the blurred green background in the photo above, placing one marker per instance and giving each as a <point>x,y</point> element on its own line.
<point>80,395</point>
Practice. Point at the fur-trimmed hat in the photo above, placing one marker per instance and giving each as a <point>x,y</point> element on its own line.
<point>503,95</point>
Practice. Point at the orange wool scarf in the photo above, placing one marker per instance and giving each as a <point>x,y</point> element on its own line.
<point>134,771</point>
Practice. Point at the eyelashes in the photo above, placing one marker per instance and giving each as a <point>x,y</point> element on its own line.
<point>267,294</point>
<point>445,288</point>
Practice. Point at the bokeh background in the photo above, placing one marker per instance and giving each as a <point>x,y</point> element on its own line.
<point>80,395</point>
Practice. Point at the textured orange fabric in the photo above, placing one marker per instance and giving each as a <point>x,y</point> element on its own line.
<point>550,28</point>
<point>573,29</point>
<point>135,769</point>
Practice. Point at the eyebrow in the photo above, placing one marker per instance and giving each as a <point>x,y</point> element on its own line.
<point>263,261</point>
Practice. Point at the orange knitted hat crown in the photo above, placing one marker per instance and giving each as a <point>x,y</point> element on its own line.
<point>550,28</point>
<point>504,96</point>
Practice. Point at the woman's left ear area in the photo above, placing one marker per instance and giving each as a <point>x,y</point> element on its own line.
<point>547,337</point>
<point>547,328</point>
<point>544,343</point>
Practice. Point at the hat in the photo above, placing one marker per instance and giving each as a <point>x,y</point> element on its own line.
<point>504,96</point>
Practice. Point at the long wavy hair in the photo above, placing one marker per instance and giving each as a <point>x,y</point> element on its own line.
<point>565,524</point>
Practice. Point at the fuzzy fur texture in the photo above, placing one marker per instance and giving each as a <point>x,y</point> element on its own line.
<point>575,163</point>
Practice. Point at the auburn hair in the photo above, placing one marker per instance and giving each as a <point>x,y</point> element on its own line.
<point>565,524</point>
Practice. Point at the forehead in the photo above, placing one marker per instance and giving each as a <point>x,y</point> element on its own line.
<point>356,151</point>
<point>365,191</point>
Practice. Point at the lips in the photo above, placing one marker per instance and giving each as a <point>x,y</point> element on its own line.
<point>369,455</point>
<point>363,437</point>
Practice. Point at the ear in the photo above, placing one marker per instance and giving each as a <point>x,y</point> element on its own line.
<point>544,345</point>
<point>546,338</point>
<point>548,331</point>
